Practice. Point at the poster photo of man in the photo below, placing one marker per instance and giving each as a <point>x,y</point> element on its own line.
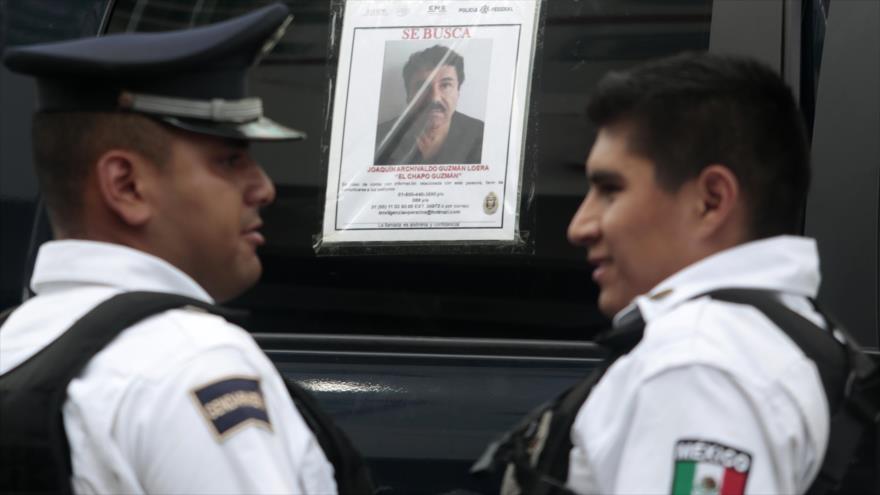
<point>427,113</point>
<point>428,122</point>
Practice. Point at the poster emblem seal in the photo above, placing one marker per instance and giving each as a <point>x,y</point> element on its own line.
<point>490,204</point>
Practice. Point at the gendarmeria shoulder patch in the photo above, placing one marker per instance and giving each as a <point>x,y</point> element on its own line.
<point>709,468</point>
<point>231,404</point>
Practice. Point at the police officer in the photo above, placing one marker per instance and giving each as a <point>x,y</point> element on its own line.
<point>141,150</point>
<point>697,177</point>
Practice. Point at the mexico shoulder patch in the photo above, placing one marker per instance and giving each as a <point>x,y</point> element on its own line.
<point>709,468</point>
<point>231,404</point>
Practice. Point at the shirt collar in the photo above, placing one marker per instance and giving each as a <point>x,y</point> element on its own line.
<point>787,264</point>
<point>66,263</point>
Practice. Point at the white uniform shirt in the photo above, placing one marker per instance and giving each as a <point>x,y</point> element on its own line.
<point>132,419</point>
<point>713,389</point>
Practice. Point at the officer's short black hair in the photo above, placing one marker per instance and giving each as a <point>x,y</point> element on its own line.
<point>430,58</point>
<point>692,110</point>
<point>66,145</point>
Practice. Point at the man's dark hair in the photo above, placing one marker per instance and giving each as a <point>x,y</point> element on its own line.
<point>695,109</point>
<point>68,144</point>
<point>430,58</point>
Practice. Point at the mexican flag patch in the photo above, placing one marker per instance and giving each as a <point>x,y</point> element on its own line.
<point>708,468</point>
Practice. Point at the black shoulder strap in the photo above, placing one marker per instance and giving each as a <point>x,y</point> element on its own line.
<point>535,451</point>
<point>34,452</point>
<point>818,344</point>
<point>351,473</point>
<point>848,376</point>
<point>618,340</point>
<point>70,352</point>
<point>75,348</point>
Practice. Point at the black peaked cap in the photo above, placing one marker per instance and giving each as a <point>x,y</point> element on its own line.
<point>195,79</point>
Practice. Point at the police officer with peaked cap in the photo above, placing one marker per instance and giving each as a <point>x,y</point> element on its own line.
<point>141,150</point>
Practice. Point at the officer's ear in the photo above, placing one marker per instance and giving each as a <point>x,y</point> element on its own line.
<point>121,176</point>
<point>720,212</point>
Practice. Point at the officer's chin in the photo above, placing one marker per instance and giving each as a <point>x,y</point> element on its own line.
<point>237,281</point>
<point>610,303</point>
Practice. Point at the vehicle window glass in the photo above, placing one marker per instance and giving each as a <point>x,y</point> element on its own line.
<point>39,21</point>
<point>23,23</point>
<point>815,18</point>
<point>545,292</point>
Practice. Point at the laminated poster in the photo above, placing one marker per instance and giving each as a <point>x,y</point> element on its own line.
<point>428,121</point>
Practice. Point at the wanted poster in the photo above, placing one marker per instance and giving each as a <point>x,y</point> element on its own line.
<point>428,121</point>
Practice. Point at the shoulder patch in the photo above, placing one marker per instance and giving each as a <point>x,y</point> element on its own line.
<point>231,404</point>
<point>704,468</point>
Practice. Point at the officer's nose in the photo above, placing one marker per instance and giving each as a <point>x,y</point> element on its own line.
<point>584,228</point>
<point>261,190</point>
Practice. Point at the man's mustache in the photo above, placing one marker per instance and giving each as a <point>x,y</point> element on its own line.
<point>433,105</point>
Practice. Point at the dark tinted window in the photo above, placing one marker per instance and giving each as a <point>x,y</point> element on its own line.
<point>36,21</point>
<point>541,291</point>
<point>24,22</point>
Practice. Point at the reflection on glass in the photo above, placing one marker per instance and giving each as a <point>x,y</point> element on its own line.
<point>347,386</point>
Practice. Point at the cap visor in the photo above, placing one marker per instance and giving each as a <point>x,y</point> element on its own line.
<point>262,129</point>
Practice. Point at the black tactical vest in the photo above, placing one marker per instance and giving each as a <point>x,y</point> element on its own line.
<point>34,453</point>
<point>535,453</point>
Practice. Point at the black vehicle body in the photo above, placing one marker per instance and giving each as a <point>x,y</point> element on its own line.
<point>425,358</point>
